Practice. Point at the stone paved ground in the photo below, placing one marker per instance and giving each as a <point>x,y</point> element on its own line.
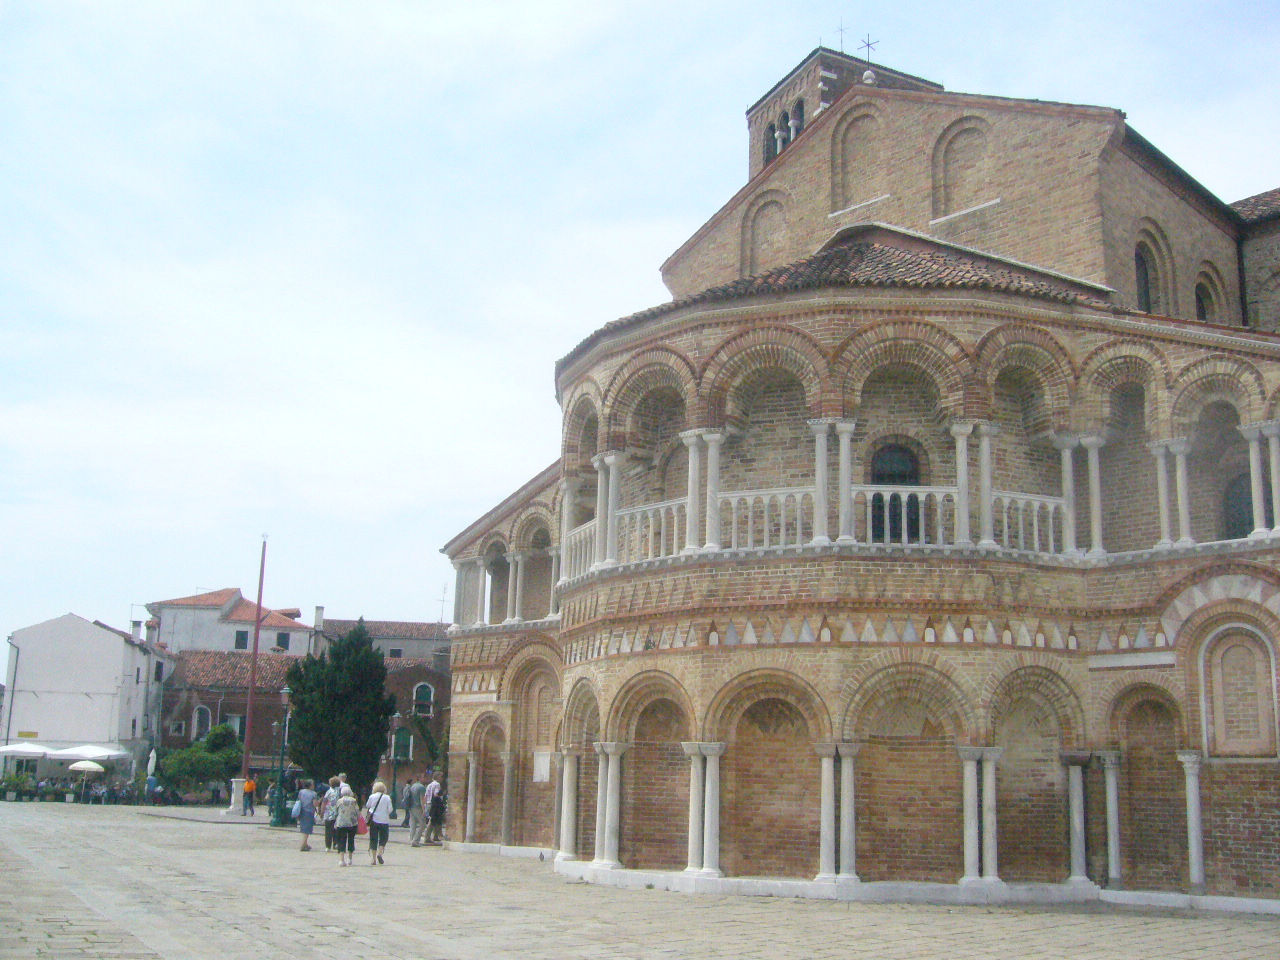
<point>118,883</point>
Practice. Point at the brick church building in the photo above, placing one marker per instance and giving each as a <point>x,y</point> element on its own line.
<point>925,545</point>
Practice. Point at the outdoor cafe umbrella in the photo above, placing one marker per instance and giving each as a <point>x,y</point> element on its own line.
<point>89,751</point>
<point>151,763</point>
<point>24,751</point>
<point>86,767</point>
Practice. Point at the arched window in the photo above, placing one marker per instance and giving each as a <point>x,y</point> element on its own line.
<point>201,721</point>
<point>895,465</point>
<point>784,128</point>
<point>1241,687</point>
<point>424,697</point>
<point>797,113</point>
<point>1205,311</point>
<point>1144,277</point>
<point>770,143</point>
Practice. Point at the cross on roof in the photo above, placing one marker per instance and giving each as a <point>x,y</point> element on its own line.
<point>840,33</point>
<point>869,46</point>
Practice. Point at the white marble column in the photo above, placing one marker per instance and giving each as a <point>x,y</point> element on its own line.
<point>602,509</point>
<point>1075,764</point>
<point>848,811</point>
<point>553,598</point>
<point>826,812</point>
<point>459,583</point>
<point>522,563</point>
<point>713,439</point>
<point>1158,449</point>
<point>986,431</point>
<point>614,460</point>
<point>820,429</point>
<point>961,430</point>
<point>482,592</point>
<point>568,510</point>
<point>1111,781</point>
<point>970,757</point>
<point>693,517</point>
<point>568,805</point>
<point>1271,429</point>
<point>1253,433</point>
<point>613,805</point>
<point>694,752</point>
<point>990,847</point>
<point>711,810</point>
<point>508,798</point>
<point>473,801</point>
<point>1066,444</point>
<point>602,799</point>
<point>844,430</point>
<point>1092,444</point>
<point>1190,760</point>
<point>1180,447</point>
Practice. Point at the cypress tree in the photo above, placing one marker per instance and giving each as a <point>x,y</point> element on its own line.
<point>341,712</point>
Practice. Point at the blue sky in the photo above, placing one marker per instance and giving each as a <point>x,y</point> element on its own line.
<point>305,268</point>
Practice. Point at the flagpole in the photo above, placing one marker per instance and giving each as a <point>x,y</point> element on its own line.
<point>253,664</point>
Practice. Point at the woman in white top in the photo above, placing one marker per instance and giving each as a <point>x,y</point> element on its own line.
<point>378,812</point>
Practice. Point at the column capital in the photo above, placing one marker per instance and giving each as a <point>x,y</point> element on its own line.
<point>992,754</point>
<point>987,429</point>
<point>713,437</point>
<point>690,437</point>
<point>613,457</point>
<point>570,752</point>
<point>846,426</point>
<point>712,749</point>
<point>598,461</point>
<point>473,756</point>
<point>970,753</point>
<point>821,425</point>
<point>825,750</point>
<point>848,749</point>
<point>1066,441</point>
<point>1093,441</point>
<point>1179,446</point>
<point>599,746</point>
<point>1158,448</point>
<point>552,551</point>
<point>961,428</point>
<point>571,484</point>
<point>615,748</point>
<point>1075,758</point>
<point>691,749</point>
<point>1108,758</point>
<point>1251,431</point>
<point>1190,759</point>
<point>1270,428</point>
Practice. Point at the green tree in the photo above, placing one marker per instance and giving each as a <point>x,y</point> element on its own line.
<point>222,742</point>
<point>341,714</point>
<point>190,767</point>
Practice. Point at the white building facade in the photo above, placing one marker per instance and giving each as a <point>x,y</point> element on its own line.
<point>224,620</point>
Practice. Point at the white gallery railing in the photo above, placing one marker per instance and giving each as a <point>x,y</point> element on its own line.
<point>653,530</point>
<point>579,551</point>
<point>1025,521</point>
<point>904,514</point>
<point>751,519</point>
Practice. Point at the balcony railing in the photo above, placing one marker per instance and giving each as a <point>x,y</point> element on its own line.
<point>654,530</point>
<point>579,550</point>
<point>904,514</point>
<point>751,519</point>
<point>1025,521</point>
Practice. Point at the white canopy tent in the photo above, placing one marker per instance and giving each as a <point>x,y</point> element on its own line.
<point>24,751</point>
<point>89,751</point>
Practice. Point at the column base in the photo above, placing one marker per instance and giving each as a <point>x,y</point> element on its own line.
<point>712,548</point>
<point>606,864</point>
<point>1163,545</point>
<point>563,856</point>
<point>826,878</point>
<point>1196,889</point>
<point>1185,542</point>
<point>850,538</point>
<point>693,871</point>
<point>988,545</point>
<point>690,550</point>
<point>1115,883</point>
<point>1260,533</point>
<point>1096,552</point>
<point>710,873</point>
<point>820,542</point>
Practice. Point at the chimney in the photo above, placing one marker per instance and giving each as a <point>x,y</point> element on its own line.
<point>319,618</point>
<point>137,631</point>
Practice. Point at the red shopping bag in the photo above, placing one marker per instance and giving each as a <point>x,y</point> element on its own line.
<point>362,825</point>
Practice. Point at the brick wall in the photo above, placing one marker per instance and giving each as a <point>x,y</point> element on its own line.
<point>1262,275</point>
<point>588,778</point>
<point>1241,839</point>
<point>1032,799</point>
<point>489,789</point>
<point>1152,802</point>
<point>655,791</point>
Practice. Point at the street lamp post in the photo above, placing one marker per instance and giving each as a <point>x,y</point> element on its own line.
<point>395,759</point>
<point>277,803</point>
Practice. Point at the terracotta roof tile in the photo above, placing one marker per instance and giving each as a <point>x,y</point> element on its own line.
<point>215,599</point>
<point>246,611</point>
<point>389,629</point>
<point>222,668</point>
<point>1261,206</point>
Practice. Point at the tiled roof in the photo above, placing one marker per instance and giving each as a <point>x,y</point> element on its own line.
<point>222,668</point>
<point>877,255</point>
<point>400,664</point>
<point>215,599</point>
<point>389,629</point>
<point>1261,206</point>
<point>246,611</point>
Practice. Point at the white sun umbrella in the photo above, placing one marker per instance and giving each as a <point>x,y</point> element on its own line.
<point>24,751</point>
<point>89,751</point>
<point>151,763</point>
<point>87,766</point>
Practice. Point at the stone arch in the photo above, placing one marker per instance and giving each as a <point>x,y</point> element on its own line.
<point>579,441</point>
<point>856,156</point>
<point>581,715</point>
<point>579,732</point>
<point>642,374</point>
<point>637,693</point>
<point>1047,688</point>
<point>739,694</point>
<point>1218,378</point>
<point>916,683</point>
<point>1117,364</point>
<point>1183,602</point>
<point>908,343</point>
<point>1151,243</point>
<point>961,166</point>
<point>772,347</point>
<point>765,232</point>
<point>536,518</point>
<point>532,684</point>
<point>529,655</point>
<point>1210,293</point>
<point>1236,676</point>
<point>482,725</point>
<point>490,743</point>
<point>1125,693</point>
<point>1033,349</point>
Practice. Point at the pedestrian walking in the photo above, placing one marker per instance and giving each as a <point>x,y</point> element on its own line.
<point>306,807</point>
<point>329,810</point>
<point>434,800</point>
<point>378,813</point>
<point>404,800</point>
<point>346,816</point>
<point>250,786</point>
<point>416,803</point>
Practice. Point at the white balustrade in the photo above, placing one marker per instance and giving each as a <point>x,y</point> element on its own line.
<point>652,530</point>
<point>884,513</point>
<point>757,519</point>
<point>1025,521</point>
<point>579,550</point>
